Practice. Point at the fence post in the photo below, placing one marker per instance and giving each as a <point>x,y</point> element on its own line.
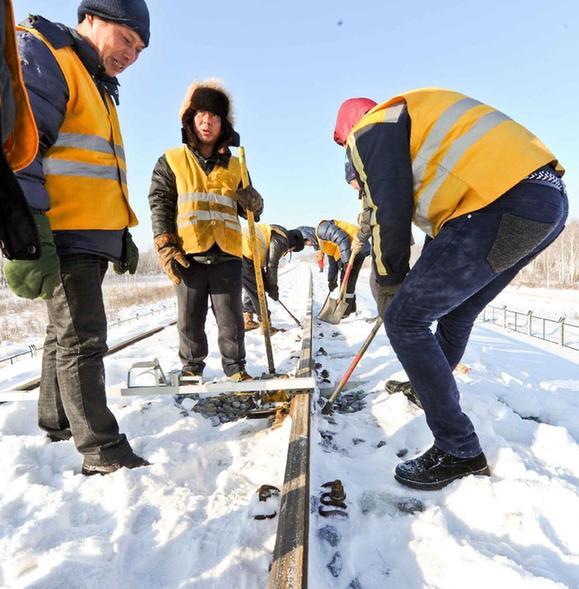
<point>530,324</point>
<point>504,316</point>
<point>516,315</point>
<point>562,330</point>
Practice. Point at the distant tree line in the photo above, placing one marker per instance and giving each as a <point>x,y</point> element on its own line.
<point>558,265</point>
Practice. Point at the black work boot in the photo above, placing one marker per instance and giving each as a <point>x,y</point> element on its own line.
<point>130,461</point>
<point>404,387</point>
<point>435,469</point>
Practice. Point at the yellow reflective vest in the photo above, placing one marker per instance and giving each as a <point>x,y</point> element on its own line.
<point>85,169</point>
<point>206,203</point>
<point>22,144</point>
<point>263,234</point>
<point>465,154</point>
<point>332,249</point>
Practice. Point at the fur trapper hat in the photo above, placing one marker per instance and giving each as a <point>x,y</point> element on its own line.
<point>295,240</point>
<point>209,95</point>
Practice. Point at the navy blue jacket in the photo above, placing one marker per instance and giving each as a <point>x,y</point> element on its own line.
<point>329,231</point>
<point>48,92</point>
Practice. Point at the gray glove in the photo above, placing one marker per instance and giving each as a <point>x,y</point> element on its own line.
<point>249,199</point>
<point>383,295</point>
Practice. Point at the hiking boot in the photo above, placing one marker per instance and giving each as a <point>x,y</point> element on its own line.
<point>435,469</point>
<point>191,376</point>
<point>404,387</point>
<point>130,461</point>
<point>248,323</point>
<point>59,436</point>
<point>240,376</point>
<point>272,330</point>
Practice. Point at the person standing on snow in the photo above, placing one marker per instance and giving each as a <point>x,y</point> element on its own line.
<point>490,196</point>
<point>196,196</point>
<point>273,242</point>
<point>18,232</point>
<point>76,188</point>
<point>337,239</point>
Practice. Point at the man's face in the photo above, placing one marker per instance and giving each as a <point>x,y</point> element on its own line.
<point>118,46</point>
<point>207,127</point>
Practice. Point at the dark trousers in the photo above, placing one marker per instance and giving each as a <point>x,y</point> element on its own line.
<point>250,300</point>
<point>72,386</point>
<point>222,283</point>
<point>471,260</point>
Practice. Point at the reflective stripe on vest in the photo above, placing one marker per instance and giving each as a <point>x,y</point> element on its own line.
<point>206,203</point>
<point>459,147</point>
<point>85,169</point>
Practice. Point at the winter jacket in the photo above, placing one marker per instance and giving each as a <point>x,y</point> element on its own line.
<point>309,233</point>
<point>49,95</point>
<point>432,155</point>
<point>18,234</point>
<point>163,196</point>
<point>335,239</point>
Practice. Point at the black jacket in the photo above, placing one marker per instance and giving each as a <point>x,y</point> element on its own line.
<point>163,194</point>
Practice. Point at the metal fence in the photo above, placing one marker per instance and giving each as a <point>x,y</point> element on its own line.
<point>558,331</point>
<point>32,350</point>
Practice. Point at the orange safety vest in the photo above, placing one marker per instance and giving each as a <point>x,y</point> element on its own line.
<point>21,145</point>
<point>465,154</point>
<point>85,169</point>
<point>332,249</point>
<point>206,203</point>
<point>263,234</point>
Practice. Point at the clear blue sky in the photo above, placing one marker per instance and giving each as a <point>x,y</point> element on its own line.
<point>289,65</point>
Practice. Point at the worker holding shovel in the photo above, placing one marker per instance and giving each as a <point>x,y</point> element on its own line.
<point>346,250</point>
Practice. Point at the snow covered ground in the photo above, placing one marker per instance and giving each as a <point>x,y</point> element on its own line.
<point>186,521</point>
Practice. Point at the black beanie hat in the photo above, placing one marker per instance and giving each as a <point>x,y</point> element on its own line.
<point>211,100</point>
<point>131,13</point>
<point>295,240</point>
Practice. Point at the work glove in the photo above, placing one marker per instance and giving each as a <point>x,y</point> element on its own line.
<point>333,284</point>
<point>129,257</point>
<point>249,199</point>
<point>383,295</point>
<point>170,253</point>
<point>273,291</point>
<point>31,279</point>
<point>356,246</point>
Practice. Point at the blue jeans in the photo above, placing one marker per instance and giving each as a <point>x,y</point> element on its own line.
<point>471,260</point>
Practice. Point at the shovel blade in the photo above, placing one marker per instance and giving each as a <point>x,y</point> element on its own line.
<point>328,310</point>
<point>333,311</point>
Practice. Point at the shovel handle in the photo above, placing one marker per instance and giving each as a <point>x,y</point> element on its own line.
<point>327,410</point>
<point>346,276</point>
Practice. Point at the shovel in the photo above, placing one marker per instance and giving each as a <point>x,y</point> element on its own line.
<point>327,410</point>
<point>334,309</point>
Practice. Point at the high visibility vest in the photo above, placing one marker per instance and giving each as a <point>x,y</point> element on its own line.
<point>333,249</point>
<point>21,144</point>
<point>465,154</point>
<point>263,234</point>
<point>85,169</point>
<point>206,203</point>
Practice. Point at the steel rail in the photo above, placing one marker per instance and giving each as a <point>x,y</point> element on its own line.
<point>35,382</point>
<point>290,556</point>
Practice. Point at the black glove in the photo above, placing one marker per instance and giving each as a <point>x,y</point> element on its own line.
<point>129,258</point>
<point>333,284</point>
<point>249,199</point>
<point>273,292</point>
<point>383,295</point>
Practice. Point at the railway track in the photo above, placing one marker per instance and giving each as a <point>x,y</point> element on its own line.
<point>290,557</point>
